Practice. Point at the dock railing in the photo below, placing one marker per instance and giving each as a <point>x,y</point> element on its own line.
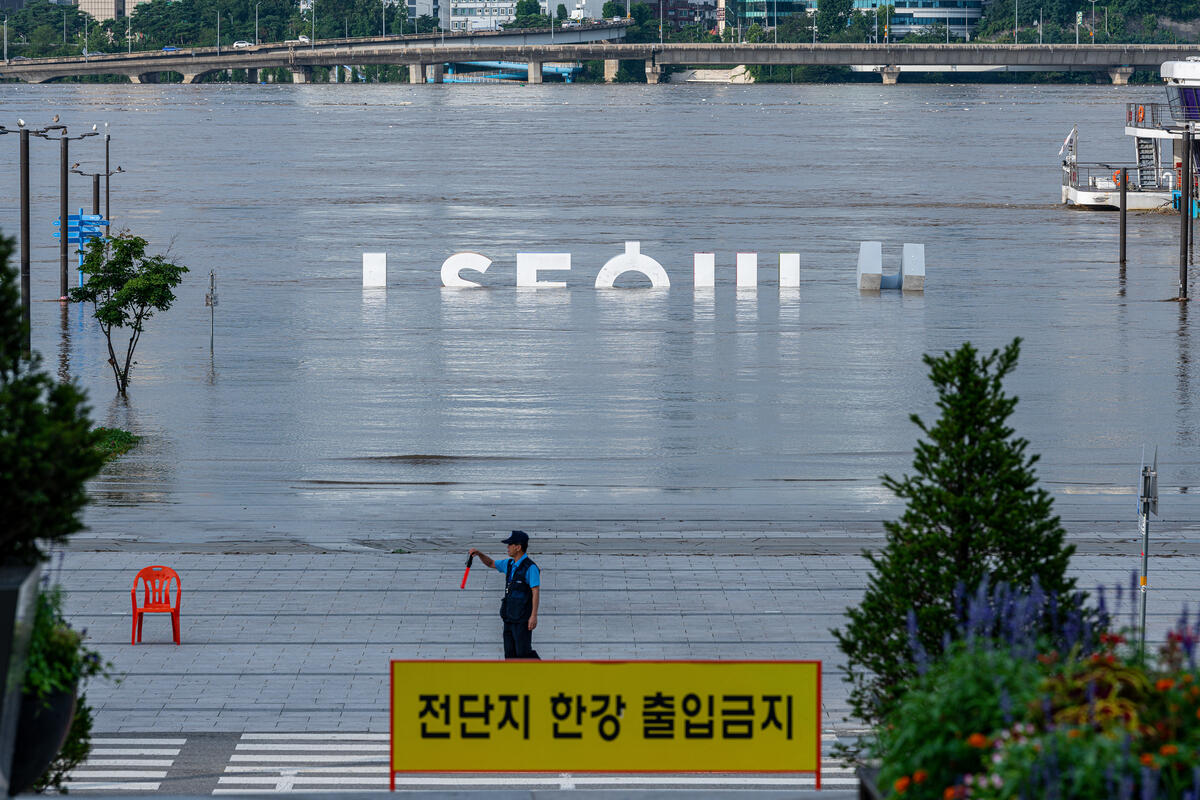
<point>1147,115</point>
<point>1099,177</point>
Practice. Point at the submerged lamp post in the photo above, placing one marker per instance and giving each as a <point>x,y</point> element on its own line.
<point>95,176</point>
<point>1147,505</point>
<point>64,143</point>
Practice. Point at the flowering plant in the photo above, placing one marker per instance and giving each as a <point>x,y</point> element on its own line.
<point>1001,717</point>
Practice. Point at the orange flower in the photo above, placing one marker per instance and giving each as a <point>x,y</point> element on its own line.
<point>1195,691</point>
<point>920,776</point>
<point>977,740</point>
<point>1164,684</point>
<point>901,784</point>
<point>1168,749</point>
<point>1187,677</point>
<point>952,792</point>
<point>1148,759</point>
<point>1074,733</point>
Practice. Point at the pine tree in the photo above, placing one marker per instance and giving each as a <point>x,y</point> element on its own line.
<point>973,511</point>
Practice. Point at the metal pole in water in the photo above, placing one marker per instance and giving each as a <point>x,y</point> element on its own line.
<point>1147,505</point>
<point>62,205</point>
<point>25,238</point>
<point>1124,205</point>
<point>1185,211</point>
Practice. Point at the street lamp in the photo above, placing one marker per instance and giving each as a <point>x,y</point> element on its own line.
<point>1093,21</point>
<point>256,5</point>
<point>25,133</point>
<point>95,176</point>
<point>64,141</point>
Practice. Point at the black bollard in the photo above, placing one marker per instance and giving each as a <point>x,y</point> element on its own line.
<point>1185,211</point>
<point>1124,205</point>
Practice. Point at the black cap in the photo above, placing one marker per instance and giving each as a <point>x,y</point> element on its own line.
<point>517,537</point>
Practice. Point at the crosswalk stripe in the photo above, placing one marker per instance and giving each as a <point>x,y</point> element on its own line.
<point>112,787</point>
<point>103,740</point>
<point>134,751</point>
<point>84,774</point>
<point>129,762</point>
<point>380,737</point>
<point>317,759</point>
<point>322,748</point>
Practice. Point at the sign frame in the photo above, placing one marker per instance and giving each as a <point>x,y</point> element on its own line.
<point>393,771</point>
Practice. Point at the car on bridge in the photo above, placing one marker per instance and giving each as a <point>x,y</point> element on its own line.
<point>242,43</point>
<point>170,49</point>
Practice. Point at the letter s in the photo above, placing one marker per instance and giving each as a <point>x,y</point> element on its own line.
<point>456,263</point>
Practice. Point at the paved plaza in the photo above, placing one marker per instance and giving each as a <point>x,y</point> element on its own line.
<point>281,681</point>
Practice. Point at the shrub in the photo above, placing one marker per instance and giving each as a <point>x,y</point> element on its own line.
<point>974,513</point>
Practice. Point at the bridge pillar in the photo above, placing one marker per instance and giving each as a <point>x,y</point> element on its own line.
<point>190,77</point>
<point>611,65</point>
<point>890,75</point>
<point>1120,75</point>
<point>416,73</point>
<point>653,72</point>
<point>301,74</point>
<point>251,74</point>
<point>149,77</point>
<point>438,71</point>
<point>535,72</point>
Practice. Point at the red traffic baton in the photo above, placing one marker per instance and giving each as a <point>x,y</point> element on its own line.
<point>467,572</point>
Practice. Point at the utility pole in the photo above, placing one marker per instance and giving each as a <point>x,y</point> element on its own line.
<point>256,5</point>
<point>1147,505</point>
<point>6,38</point>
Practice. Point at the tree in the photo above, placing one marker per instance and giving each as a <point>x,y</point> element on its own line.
<point>125,288</point>
<point>612,9</point>
<point>973,513</point>
<point>45,440</point>
<point>832,16</point>
<point>561,11</point>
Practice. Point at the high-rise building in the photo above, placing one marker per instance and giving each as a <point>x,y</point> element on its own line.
<point>909,16</point>
<point>103,9</point>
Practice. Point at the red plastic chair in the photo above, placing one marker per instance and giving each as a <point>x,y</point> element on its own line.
<point>157,581</point>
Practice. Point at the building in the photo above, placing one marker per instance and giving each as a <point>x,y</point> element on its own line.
<point>484,15</point>
<point>104,9</point>
<point>910,16</point>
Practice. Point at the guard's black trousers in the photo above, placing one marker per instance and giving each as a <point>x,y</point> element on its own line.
<point>518,640</point>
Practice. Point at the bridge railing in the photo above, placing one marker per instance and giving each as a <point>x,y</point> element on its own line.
<point>1147,115</point>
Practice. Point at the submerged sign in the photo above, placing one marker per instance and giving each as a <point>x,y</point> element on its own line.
<point>606,716</point>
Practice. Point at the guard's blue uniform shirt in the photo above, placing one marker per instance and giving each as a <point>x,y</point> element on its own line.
<point>533,575</point>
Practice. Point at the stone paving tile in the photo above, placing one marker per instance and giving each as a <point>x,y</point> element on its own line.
<point>300,642</point>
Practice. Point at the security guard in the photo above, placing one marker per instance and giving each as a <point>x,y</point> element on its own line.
<point>519,608</point>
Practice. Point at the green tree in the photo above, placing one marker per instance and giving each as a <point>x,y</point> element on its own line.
<point>613,9</point>
<point>125,287</point>
<point>833,16</point>
<point>45,440</point>
<point>561,13</point>
<point>973,512</point>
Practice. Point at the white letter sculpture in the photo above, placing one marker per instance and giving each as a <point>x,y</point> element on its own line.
<point>870,266</point>
<point>747,270</point>
<point>911,277</point>
<point>456,263</point>
<point>789,270</point>
<point>374,270</point>
<point>530,264</point>
<point>632,260</point>
<point>704,268</point>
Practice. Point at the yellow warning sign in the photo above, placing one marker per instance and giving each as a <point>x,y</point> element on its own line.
<point>606,716</point>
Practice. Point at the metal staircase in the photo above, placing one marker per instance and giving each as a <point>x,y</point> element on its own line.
<point>1147,162</point>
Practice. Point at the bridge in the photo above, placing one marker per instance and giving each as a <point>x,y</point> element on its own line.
<point>426,55</point>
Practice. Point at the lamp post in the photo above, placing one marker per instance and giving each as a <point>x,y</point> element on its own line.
<point>95,176</point>
<point>25,134</point>
<point>1093,21</point>
<point>218,31</point>
<point>64,146</point>
<point>256,5</point>
<point>128,37</point>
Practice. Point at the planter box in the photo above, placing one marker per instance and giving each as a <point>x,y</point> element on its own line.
<point>18,591</point>
<point>867,790</point>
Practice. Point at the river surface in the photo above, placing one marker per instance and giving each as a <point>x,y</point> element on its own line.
<point>333,416</point>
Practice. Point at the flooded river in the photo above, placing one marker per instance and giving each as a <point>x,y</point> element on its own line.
<point>332,416</point>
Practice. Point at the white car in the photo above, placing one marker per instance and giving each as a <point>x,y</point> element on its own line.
<point>241,43</point>
<point>302,39</point>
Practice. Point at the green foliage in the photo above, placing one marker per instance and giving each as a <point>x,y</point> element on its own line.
<point>125,287</point>
<point>561,12</point>
<point>973,512</point>
<point>613,9</point>
<point>58,660</point>
<point>1145,21</point>
<point>832,18</point>
<point>112,442</point>
<point>927,741</point>
<point>45,440</point>
<point>74,752</point>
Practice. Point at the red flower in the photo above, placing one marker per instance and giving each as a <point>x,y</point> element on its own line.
<point>1168,750</point>
<point>901,784</point>
<point>1163,684</point>
<point>1148,759</point>
<point>920,776</point>
<point>977,740</point>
